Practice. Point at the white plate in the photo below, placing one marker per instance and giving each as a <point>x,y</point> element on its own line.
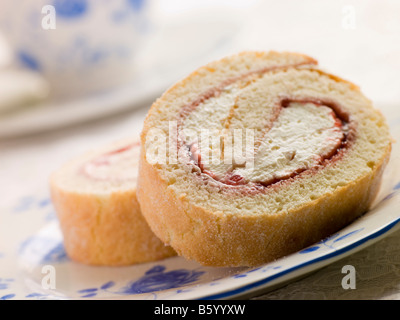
<point>29,261</point>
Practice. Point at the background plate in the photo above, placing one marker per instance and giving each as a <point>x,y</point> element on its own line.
<point>154,72</point>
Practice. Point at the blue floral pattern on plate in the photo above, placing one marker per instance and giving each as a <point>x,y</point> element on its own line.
<point>56,255</point>
<point>4,285</point>
<point>156,279</point>
<point>70,8</point>
<point>28,60</point>
<point>136,4</point>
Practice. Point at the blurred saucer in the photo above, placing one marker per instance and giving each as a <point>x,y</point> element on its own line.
<point>174,48</point>
<point>52,114</point>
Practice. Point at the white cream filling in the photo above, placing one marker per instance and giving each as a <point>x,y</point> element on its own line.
<point>302,134</point>
<point>114,166</point>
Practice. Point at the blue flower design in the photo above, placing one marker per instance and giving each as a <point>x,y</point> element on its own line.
<point>334,238</point>
<point>268,268</point>
<point>156,279</point>
<point>25,203</point>
<point>136,4</point>
<point>70,8</point>
<point>56,254</point>
<point>310,249</point>
<point>254,270</point>
<point>53,250</point>
<point>240,275</point>
<point>88,293</point>
<point>5,282</point>
<point>28,60</point>
<point>38,296</point>
<point>32,203</point>
<point>92,292</point>
<point>395,190</point>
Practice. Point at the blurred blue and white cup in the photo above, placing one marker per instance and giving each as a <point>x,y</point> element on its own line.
<point>78,46</point>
